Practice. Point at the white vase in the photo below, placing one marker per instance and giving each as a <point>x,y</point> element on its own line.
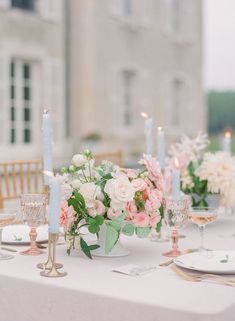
<point>117,251</point>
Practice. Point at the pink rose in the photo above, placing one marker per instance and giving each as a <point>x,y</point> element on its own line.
<point>113,213</point>
<point>141,220</point>
<point>154,219</point>
<point>67,215</point>
<point>97,208</point>
<point>139,184</point>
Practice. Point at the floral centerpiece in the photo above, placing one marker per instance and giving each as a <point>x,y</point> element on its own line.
<point>204,174</point>
<point>125,200</point>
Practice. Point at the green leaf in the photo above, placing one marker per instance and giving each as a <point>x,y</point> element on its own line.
<point>142,232</point>
<point>99,219</point>
<point>117,222</point>
<point>85,248</point>
<point>112,237</point>
<point>128,229</point>
<point>159,226</point>
<point>94,228</point>
<point>93,247</point>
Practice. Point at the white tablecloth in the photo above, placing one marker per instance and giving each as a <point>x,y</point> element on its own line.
<point>91,291</point>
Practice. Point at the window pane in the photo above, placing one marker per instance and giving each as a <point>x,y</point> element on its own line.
<point>23,4</point>
<point>26,71</point>
<point>12,92</point>
<point>26,93</point>
<point>27,135</point>
<point>127,7</point>
<point>12,70</point>
<point>12,136</point>
<point>27,114</point>
<point>12,113</point>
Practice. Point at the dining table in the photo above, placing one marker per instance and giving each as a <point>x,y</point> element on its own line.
<point>93,291</point>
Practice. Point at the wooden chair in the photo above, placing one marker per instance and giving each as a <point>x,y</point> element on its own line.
<point>20,177</point>
<point>114,157</point>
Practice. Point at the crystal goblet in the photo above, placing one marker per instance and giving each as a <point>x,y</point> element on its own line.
<point>34,210</point>
<point>176,216</point>
<point>7,217</point>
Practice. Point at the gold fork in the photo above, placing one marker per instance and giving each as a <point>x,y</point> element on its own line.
<point>169,262</point>
<point>197,278</point>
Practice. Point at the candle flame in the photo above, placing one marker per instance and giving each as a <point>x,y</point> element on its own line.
<point>227,135</point>
<point>144,115</point>
<point>177,163</point>
<point>45,111</point>
<point>159,129</point>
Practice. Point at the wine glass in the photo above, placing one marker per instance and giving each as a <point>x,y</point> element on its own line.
<point>202,216</point>
<point>6,218</point>
<point>176,216</point>
<point>34,210</point>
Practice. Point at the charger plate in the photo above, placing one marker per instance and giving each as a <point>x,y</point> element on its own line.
<point>217,262</point>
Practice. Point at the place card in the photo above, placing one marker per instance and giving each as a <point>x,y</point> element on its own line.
<point>134,270</point>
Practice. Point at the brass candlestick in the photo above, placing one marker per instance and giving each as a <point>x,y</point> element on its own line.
<point>51,270</point>
<point>49,263</point>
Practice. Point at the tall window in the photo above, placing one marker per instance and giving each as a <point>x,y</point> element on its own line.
<point>20,102</point>
<point>176,15</point>
<point>128,80</point>
<point>176,102</point>
<point>23,4</point>
<point>127,7</point>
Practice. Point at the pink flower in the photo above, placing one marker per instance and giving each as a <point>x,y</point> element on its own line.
<point>131,209</point>
<point>154,219</point>
<point>139,184</point>
<point>152,166</point>
<point>130,172</point>
<point>156,196</point>
<point>113,213</point>
<point>141,220</point>
<point>97,208</point>
<point>66,191</point>
<point>151,207</point>
<point>66,216</point>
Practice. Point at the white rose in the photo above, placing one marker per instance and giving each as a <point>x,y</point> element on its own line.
<point>79,160</point>
<point>76,183</point>
<point>120,192</point>
<point>89,192</point>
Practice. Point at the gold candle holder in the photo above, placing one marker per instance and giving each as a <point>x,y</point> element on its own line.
<point>49,263</point>
<point>50,268</point>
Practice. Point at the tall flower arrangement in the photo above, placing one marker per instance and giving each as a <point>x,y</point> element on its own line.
<point>126,200</point>
<point>204,173</point>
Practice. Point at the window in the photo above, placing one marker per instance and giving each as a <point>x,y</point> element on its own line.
<point>177,102</point>
<point>127,8</point>
<point>176,15</point>
<point>20,113</point>
<point>28,5</point>
<point>128,79</point>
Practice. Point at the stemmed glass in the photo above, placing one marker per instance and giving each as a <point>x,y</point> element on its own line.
<point>6,219</point>
<point>176,216</point>
<point>202,216</point>
<point>34,210</point>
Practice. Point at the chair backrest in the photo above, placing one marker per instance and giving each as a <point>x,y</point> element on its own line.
<point>20,177</point>
<point>114,157</point>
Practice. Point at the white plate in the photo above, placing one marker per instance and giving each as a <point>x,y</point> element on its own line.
<point>19,234</point>
<point>218,262</point>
